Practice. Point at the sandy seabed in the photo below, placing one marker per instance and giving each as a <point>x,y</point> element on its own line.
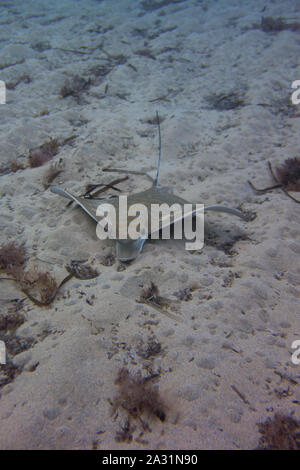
<point>222,86</point>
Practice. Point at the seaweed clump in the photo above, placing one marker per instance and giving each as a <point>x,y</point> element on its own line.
<point>42,154</point>
<point>74,87</point>
<point>149,349</point>
<point>275,25</point>
<point>16,166</point>
<point>286,177</point>
<point>186,293</point>
<point>225,101</point>
<point>53,171</point>
<point>138,395</point>
<point>271,25</point>
<point>279,433</point>
<point>12,256</point>
<point>81,271</point>
<point>150,296</point>
<point>40,287</point>
<point>288,174</point>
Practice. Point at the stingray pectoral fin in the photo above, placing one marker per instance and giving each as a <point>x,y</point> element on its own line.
<point>229,210</point>
<point>61,192</point>
<point>81,203</point>
<point>127,250</point>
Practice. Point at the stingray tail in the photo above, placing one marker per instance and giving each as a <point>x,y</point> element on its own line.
<point>62,192</point>
<point>229,210</point>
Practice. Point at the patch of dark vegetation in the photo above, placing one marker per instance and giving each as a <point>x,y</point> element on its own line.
<point>81,271</point>
<point>46,151</point>
<point>43,112</point>
<point>99,71</point>
<point>224,240</point>
<point>38,156</point>
<point>12,167</point>
<point>108,260</point>
<point>12,256</point>
<point>225,101</point>
<point>42,154</point>
<point>149,348</point>
<point>227,247</point>
<point>185,294</point>
<point>286,177</point>
<point>99,29</point>
<point>11,320</point>
<point>150,296</point>
<point>288,174</point>
<point>40,287</point>
<point>75,86</point>
<point>269,24</point>
<point>40,46</point>
<point>53,171</point>
<point>140,399</point>
<point>24,78</point>
<point>279,433</point>
<point>78,85</point>
<point>152,5</point>
<point>15,166</point>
